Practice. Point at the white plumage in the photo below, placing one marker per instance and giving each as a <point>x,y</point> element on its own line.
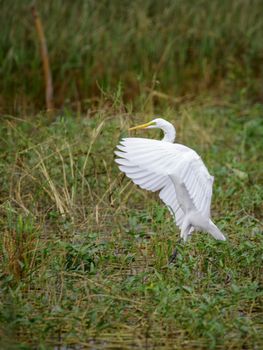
<point>176,171</point>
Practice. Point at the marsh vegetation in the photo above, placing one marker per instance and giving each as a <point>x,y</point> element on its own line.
<point>83,252</point>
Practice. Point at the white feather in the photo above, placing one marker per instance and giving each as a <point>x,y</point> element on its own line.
<point>176,171</point>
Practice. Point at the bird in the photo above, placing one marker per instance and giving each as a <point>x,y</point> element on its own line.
<point>176,171</point>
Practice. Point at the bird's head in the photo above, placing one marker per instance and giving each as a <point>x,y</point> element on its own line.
<point>157,123</point>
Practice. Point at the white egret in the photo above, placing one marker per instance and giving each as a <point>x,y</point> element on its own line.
<point>176,171</point>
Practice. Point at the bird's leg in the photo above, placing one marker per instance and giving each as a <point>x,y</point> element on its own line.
<point>174,255</point>
<point>186,230</point>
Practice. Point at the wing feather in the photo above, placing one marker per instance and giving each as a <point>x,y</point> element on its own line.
<point>149,164</point>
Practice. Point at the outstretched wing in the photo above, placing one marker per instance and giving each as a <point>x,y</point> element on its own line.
<point>149,163</point>
<point>148,169</point>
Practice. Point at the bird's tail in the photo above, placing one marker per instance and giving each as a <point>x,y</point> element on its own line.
<point>215,232</point>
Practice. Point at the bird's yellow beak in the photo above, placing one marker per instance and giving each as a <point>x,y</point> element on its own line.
<point>142,126</point>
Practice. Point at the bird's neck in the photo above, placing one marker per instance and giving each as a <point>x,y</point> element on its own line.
<point>169,133</point>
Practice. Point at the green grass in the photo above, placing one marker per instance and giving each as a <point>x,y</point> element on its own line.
<point>84,253</point>
<point>180,48</point>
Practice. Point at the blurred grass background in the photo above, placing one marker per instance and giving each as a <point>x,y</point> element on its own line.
<point>179,47</point>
